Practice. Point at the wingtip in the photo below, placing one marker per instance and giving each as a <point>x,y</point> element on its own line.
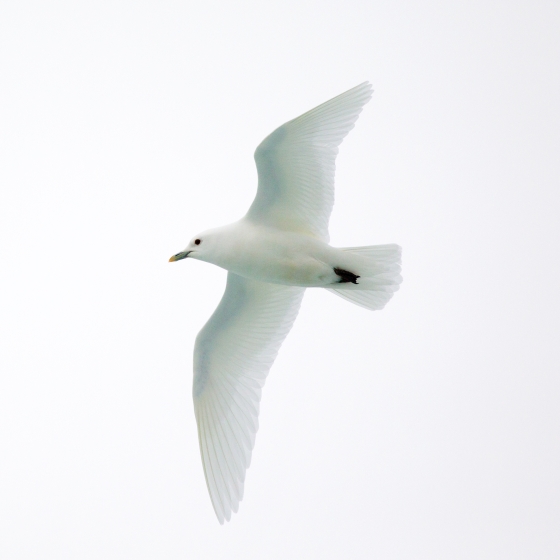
<point>365,88</point>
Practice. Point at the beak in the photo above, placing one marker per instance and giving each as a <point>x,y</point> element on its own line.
<point>179,256</point>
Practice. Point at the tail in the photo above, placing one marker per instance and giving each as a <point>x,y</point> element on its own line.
<point>379,268</point>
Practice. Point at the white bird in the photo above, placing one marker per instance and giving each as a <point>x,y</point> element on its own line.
<point>272,254</point>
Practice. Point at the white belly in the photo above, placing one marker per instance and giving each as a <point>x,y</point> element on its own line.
<point>281,258</point>
<point>303,271</point>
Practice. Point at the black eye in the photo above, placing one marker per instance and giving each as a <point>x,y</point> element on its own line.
<point>197,241</point>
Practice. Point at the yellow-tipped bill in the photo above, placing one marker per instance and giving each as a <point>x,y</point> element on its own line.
<point>179,256</point>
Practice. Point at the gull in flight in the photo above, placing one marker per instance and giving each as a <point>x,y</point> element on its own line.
<point>276,251</point>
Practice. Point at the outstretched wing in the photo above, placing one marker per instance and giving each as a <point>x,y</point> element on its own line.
<point>296,165</point>
<point>232,356</point>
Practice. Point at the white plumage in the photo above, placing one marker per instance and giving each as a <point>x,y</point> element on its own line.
<point>233,354</point>
<point>272,254</point>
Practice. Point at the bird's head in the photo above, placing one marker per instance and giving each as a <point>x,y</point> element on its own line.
<point>204,246</point>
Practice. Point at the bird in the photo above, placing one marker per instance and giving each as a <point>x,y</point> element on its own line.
<point>272,255</point>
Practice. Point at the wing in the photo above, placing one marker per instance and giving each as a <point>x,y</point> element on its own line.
<point>296,165</point>
<point>232,356</point>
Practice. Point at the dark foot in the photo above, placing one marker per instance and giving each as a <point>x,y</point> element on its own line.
<point>345,276</point>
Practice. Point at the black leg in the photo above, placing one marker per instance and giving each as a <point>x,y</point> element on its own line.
<point>346,276</point>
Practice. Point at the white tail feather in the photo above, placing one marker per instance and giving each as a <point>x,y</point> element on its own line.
<point>379,268</point>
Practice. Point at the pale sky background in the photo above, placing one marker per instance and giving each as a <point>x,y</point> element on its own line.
<point>430,430</point>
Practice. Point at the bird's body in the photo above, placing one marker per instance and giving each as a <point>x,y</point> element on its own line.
<point>267,254</point>
<point>272,255</point>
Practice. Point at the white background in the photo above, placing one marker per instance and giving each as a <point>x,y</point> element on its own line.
<point>429,430</point>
